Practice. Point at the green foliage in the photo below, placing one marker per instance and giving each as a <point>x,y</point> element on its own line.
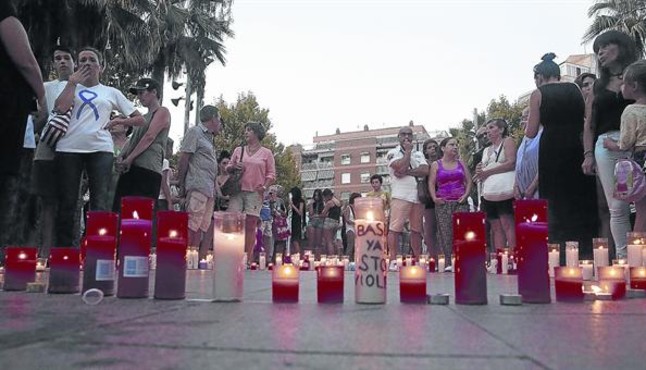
<point>512,113</point>
<point>236,116</point>
<point>628,16</point>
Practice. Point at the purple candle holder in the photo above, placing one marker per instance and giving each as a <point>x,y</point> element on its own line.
<point>100,250</point>
<point>531,250</point>
<point>568,284</point>
<point>470,248</point>
<point>412,285</point>
<point>329,284</point>
<point>134,247</point>
<point>64,271</point>
<point>172,242</point>
<point>20,267</point>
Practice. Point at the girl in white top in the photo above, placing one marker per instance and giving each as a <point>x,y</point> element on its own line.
<point>348,219</point>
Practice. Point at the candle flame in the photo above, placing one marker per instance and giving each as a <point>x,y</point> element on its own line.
<point>103,231</point>
<point>596,289</point>
<point>22,256</point>
<point>534,218</point>
<point>172,233</point>
<point>642,272</point>
<point>135,215</point>
<point>469,235</point>
<point>370,216</point>
<point>65,258</point>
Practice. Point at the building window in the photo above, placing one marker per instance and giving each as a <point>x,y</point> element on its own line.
<point>345,178</point>
<point>345,159</point>
<point>345,195</point>
<point>365,157</point>
<point>365,177</point>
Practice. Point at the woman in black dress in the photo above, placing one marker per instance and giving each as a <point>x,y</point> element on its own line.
<point>559,107</point>
<point>297,208</point>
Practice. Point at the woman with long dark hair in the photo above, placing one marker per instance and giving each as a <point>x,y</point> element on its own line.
<point>315,226</point>
<point>432,153</point>
<point>615,51</point>
<point>297,209</point>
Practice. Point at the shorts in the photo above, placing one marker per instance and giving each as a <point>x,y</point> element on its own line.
<point>317,223</point>
<point>265,227</point>
<point>42,175</point>
<point>200,211</point>
<point>330,224</point>
<point>494,210</point>
<point>249,202</point>
<point>402,211</point>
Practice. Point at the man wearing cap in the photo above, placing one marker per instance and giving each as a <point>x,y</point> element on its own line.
<point>197,172</point>
<point>404,165</point>
<point>140,161</point>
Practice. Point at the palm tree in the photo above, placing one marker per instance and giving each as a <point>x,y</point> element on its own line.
<point>628,16</point>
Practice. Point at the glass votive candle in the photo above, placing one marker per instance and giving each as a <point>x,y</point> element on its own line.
<point>587,269</point>
<point>553,257</point>
<point>638,277</point>
<point>412,284</point>
<point>20,267</point>
<point>572,254</point>
<point>284,287</point>
<point>568,283</point>
<point>635,244</point>
<point>329,284</point>
<point>612,280</point>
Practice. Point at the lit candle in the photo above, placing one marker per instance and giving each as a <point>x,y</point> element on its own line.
<point>64,270</point>
<point>412,284</point>
<point>100,252</point>
<point>612,281</point>
<point>329,284</point>
<point>346,262</point>
<point>623,263</point>
<point>284,287</point>
<point>370,243</point>
<point>228,255</point>
<point>600,253</point>
<point>504,262</point>
<point>554,257</point>
<point>20,267</point>
<point>636,241</point>
<point>441,263</point>
<point>134,253</point>
<point>172,241</point>
<point>587,267</point>
<point>638,277</point>
<point>531,251</point>
<point>400,261</point>
<point>568,283</point>
<point>469,237</point>
<point>262,260</point>
<point>572,254</point>
<point>41,264</point>
<point>431,265</point>
<point>409,260</point>
<point>279,259</point>
<point>423,262</point>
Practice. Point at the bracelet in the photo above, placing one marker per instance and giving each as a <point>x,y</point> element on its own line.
<point>586,152</point>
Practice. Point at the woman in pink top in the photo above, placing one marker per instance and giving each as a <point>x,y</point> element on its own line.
<point>258,173</point>
<point>449,184</point>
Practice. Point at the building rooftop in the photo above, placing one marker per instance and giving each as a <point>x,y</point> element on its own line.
<point>352,135</point>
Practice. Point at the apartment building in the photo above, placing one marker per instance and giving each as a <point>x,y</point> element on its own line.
<point>345,161</point>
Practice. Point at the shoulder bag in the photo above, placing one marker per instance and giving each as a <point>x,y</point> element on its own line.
<point>500,186</point>
<point>232,185</point>
<point>56,127</point>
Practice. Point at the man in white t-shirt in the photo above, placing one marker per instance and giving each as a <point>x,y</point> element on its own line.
<point>404,165</point>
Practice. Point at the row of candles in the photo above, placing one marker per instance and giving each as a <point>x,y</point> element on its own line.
<point>371,264</point>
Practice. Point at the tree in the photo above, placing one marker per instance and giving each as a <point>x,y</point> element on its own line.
<point>628,16</point>
<point>512,113</point>
<point>236,116</point>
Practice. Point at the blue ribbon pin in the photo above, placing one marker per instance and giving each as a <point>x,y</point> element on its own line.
<point>87,96</point>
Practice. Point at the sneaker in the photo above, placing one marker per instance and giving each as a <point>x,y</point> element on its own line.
<point>448,269</point>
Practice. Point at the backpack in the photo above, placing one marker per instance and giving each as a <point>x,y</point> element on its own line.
<point>630,183</point>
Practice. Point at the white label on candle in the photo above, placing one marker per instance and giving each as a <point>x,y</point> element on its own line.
<point>104,270</point>
<point>135,267</point>
<point>371,269</point>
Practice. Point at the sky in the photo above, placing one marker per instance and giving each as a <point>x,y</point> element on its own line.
<point>319,65</point>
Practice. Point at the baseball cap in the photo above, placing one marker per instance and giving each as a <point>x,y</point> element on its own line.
<point>144,84</point>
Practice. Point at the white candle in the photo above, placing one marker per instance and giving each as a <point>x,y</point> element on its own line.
<point>600,258</point>
<point>346,262</point>
<point>441,264</point>
<point>400,261</point>
<point>587,268</point>
<point>634,248</point>
<point>279,259</point>
<point>623,264</point>
<point>371,269</point>
<point>572,254</point>
<point>323,260</point>
<point>422,262</point>
<point>643,256</point>
<point>554,257</point>
<point>228,256</point>
<point>409,260</point>
<point>262,261</point>
<point>505,262</point>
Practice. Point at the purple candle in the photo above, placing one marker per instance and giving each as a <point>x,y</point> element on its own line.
<point>329,284</point>
<point>64,270</point>
<point>172,233</point>
<point>20,267</point>
<point>568,284</point>
<point>533,275</point>
<point>412,284</point>
<point>100,249</point>
<point>470,248</point>
<point>284,287</point>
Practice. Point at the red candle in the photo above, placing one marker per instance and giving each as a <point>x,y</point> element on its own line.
<point>638,277</point>
<point>20,267</point>
<point>412,284</point>
<point>531,250</point>
<point>469,237</point>
<point>100,249</point>
<point>612,280</point>
<point>431,265</point>
<point>134,252</point>
<point>568,283</point>
<point>329,284</point>
<point>137,208</point>
<point>172,242</point>
<point>64,270</point>
<point>284,287</point>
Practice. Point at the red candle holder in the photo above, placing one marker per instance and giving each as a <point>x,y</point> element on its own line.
<point>172,242</point>
<point>100,249</point>
<point>284,286</point>
<point>412,284</point>
<point>612,280</point>
<point>134,253</point>
<point>568,284</point>
<point>137,208</point>
<point>638,277</point>
<point>20,267</point>
<point>64,271</point>
<point>469,237</point>
<point>531,250</point>
<point>329,284</point>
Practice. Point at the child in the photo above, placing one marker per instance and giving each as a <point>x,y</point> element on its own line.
<point>348,219</point>
<point>633,126</point>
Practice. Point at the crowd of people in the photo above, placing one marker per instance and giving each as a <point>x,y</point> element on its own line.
<point>94,140</point>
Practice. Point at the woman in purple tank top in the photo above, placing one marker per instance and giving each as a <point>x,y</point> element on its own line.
<point>449,184</point>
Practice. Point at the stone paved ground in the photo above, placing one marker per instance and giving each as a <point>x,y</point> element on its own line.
<point>60,332</point>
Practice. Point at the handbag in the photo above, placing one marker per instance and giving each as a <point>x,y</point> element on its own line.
<point>499,186</point>
<point>629,181</point>
<point>423,195</point>
<point>56,128</point>
<point>232,185</point>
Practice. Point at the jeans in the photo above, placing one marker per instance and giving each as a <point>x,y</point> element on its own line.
<point>619,210</point>
<point>69,167</point>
